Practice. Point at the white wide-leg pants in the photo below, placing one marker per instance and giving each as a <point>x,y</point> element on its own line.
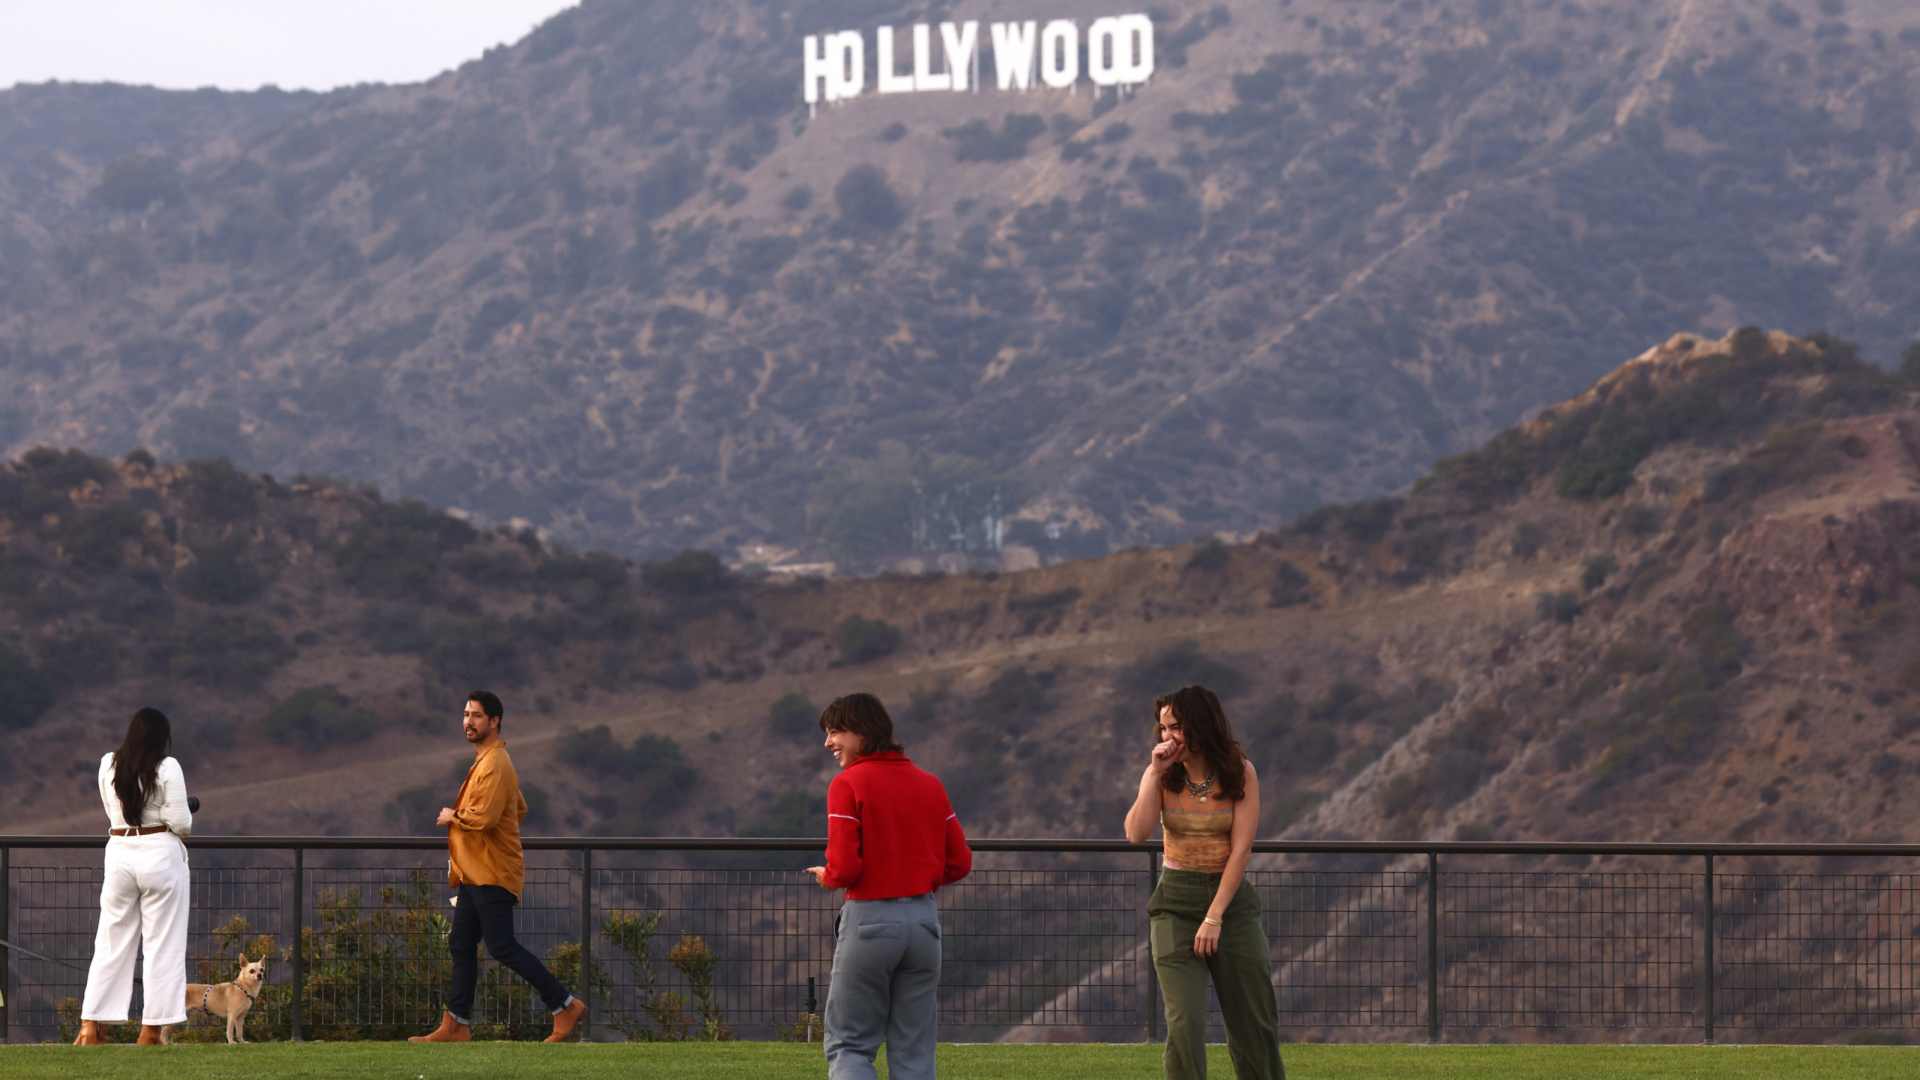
<point>144,899</point>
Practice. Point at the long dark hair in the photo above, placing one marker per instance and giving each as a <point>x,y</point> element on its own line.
<point>863,715</point>
<point>1208,735</point>
<point>136,765</point>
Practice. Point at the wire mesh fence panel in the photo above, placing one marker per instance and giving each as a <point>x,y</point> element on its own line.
<point>1562,949</point>
<point>1818,950</point>
<point>55,911</point>
<point>1046,949</point>
<point>1348,946</point>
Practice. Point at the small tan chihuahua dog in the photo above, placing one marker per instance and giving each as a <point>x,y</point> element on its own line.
<point>230,999</point>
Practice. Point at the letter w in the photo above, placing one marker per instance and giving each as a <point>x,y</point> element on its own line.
<point>1013,47</point>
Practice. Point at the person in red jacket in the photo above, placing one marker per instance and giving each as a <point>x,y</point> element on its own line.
<point>892,840</point>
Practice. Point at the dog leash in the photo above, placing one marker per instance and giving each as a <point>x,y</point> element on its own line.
<point>29,952</point>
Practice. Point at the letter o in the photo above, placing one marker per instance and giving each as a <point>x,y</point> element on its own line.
<point>1060,54</point>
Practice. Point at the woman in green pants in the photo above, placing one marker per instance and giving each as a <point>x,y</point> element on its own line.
<point>1205,918</point>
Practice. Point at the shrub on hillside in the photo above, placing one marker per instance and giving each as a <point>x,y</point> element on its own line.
<point>1597,570</point>
<point>867,202</point>
<point>794,813</point>
<point>26,693</point>
<point>1362,521</point>
<point>225,652</point>
<point>468,652</point>
<point>654,764</point>
<point>89,658</point>
<point>1562,606</point>
<point>60,470</point>
<point>415,810</point>
<point>316,718</point>
<point>793,716</point>
<point>222,574</point>
<point>397,547</point>
<point>978,141</point>
<point>98,541</point>
<point>691,573</point>
<point>1178,665</point>
<point>395,627</point>
<point>132,183</point>
<point>863,640</point>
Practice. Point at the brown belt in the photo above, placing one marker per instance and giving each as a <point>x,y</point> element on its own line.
<point>144,830</point>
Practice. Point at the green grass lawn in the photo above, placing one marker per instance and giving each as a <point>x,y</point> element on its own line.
<point>777,1061</point>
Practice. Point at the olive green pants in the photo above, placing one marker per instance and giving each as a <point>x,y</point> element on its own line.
<point>1242,971</point>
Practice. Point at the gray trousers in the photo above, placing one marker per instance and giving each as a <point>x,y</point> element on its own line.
<point>885,987</point>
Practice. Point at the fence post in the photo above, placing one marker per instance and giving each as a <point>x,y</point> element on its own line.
<point>299,953</point>
<point>1153,975</point>
<point>6,931</point>
<point>1433,946</point>
<point>1711,964</point>
<point>586,942</point>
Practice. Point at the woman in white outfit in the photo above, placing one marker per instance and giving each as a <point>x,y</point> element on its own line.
<point>144,897</point>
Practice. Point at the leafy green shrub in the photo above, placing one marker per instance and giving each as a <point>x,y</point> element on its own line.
<point>99,539</point>
<point>691,573</point>
<point>60,471</point>
<point>1562,606</point>
<point>316,718</point>
<point>469,652</point>
<point>863,640</point>
<point>1789,453</point>
<point>867,202</point>
<point>225,652</point>
<point>1012,701</point>
<point>1398,794</point>
<point>1597,570</point>
<point>1527,538</point>
<point>132,183</point>
<point>1182,664</point>
<point>793,716</point>
<point>668,182</point>
<point>977,141</point>
<point>415,810</point>
<point>26,693</point>
<point>397,547</point>
<point>794,813</point>
<point>89,658</point>
<point>1642,519</point>
<point>1210,556</point>
<point>222,574</point>
<point>135,598</point>
<point>396,627</point>
<point>1362,521</point>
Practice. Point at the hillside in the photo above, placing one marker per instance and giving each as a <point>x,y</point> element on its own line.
<point>1677,606</point>
<point>615,283</point>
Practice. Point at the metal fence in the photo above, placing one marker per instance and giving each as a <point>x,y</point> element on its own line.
<point>692,938</point>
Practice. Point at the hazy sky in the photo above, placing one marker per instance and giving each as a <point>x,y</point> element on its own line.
<point>245,44</point>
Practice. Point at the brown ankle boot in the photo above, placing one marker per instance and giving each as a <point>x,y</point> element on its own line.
<point>450,1030</point>
<point>89,1034</point>
<point>565,1019</point>
<point>149,1036</point>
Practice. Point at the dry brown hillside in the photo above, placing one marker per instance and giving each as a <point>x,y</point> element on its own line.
<point>1679,606</point>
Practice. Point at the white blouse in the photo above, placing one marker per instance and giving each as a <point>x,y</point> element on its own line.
<point>166,806</point>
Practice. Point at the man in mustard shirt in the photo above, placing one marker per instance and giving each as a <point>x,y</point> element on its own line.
<point>487,871</point>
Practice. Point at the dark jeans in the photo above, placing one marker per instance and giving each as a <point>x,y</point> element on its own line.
<point>485,913</point>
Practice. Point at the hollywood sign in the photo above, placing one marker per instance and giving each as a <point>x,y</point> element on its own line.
<point>1119,52</point>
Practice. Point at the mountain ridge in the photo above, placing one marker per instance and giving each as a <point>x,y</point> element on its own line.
<point>603,281</point>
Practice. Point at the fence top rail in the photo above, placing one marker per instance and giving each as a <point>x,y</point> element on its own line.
<point>801,843</point>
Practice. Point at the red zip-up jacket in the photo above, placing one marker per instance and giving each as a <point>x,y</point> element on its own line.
<point>891,831</point>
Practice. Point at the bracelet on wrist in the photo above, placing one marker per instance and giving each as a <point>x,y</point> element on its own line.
<point>1210,921</point>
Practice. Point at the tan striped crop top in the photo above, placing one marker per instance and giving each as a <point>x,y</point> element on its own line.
<point>1197,839</point>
